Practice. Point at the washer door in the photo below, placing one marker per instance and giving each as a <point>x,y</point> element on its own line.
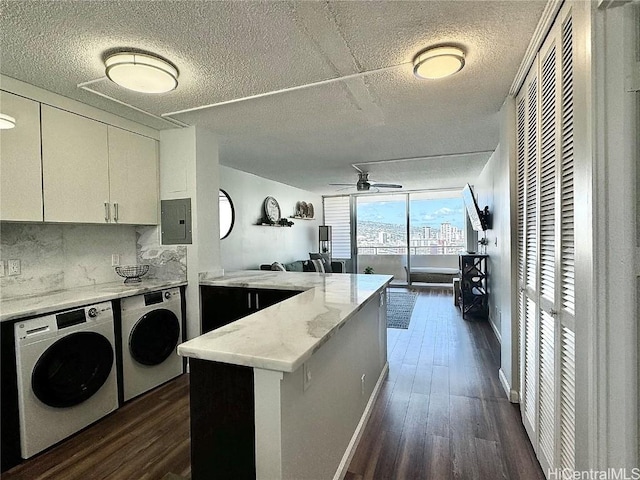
<point>72,369</point>
<point>154,337</point>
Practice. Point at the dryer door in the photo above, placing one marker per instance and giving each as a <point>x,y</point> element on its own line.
<point>72,369</point>
<point>154,337</point>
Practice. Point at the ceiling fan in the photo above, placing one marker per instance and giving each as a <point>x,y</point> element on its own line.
<point>363,184</point>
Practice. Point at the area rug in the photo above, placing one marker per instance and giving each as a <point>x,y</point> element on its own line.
<point>399,308</point>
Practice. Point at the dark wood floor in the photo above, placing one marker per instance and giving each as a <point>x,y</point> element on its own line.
<point>441,414</point>
<point>145,439</point>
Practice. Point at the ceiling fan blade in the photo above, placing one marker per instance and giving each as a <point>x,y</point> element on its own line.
<point>342,184</point>
<point>386,185</point>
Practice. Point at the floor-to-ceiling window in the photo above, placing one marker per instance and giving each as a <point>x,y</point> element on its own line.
<point>389,233</point>
<point>437,232</point>
<point>381,234</point>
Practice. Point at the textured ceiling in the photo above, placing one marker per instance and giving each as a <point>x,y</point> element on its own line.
<point>309,137</point>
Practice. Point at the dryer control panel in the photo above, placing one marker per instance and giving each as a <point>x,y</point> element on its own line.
<point>168,298</point>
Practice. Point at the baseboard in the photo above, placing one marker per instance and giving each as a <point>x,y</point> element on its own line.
<point>512,395</point>
<point>495,331</point>
<point>355,439</point>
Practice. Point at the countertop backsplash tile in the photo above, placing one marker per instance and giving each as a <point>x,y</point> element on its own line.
<point>56,256</point>
<point>166,262</point>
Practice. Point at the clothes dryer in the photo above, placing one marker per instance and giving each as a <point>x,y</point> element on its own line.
<point>151,331</point>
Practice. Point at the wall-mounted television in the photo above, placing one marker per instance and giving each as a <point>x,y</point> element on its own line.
<point>479,218</point>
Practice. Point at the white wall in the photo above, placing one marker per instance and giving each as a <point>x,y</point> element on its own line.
<point>249,245</point>
<point>616,247</point>
<point>189,169</point>
<point>493,188</point>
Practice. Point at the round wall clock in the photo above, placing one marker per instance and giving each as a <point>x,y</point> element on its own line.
<point>272,209</point>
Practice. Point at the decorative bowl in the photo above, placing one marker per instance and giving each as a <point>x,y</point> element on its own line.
<point>132,273</point>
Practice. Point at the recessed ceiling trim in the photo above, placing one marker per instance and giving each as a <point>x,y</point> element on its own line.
<point>423,157</point>
<point>288,89</point>
<point>172,121</point>
<point>91,82</point>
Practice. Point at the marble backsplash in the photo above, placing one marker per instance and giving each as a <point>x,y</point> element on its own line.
<point>59,256</point>
<point>166,262</point>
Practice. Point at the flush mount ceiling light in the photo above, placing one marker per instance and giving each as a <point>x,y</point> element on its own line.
<point>141,72</point>
<point>438,62</point>
<point>6,122</point>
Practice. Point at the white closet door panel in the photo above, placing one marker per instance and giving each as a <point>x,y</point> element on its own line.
<point>547,426</point>
<point>520,229</point>
<point>566,297</point>
<point>545,248</point>
<point>568,400</point>
<point>531,368</point>
<point>531,185</point>
<point>567,258</point>
<point>548,134</point>
<point>20,161</point>
<point>133,173</point>
<point>521,189</point>
<point>75,167</point>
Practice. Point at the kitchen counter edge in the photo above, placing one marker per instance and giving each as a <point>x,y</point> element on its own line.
<point>16,308</point>
<point>280,354</point>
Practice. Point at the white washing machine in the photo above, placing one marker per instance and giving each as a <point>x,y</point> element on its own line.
<point>66,374</point>
<point>151,331</point>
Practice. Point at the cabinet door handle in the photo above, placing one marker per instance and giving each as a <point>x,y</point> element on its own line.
<point>257,302</point>
<point>107,212</point>
<point>249,300</point>
<point>115,211</point>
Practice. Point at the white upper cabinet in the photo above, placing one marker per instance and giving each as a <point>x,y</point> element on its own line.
<point>94,173</point>
<point>20,165</point>
<point>133,175</point>
<point>75,168</point>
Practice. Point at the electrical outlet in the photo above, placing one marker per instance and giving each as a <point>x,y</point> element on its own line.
<point>362,379</point>
<point>115,260</point>
<point>14,267</point>
<point>2,268</point>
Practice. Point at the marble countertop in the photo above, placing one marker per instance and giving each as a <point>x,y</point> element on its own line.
<point>13,308</point>
<point>282,337</point>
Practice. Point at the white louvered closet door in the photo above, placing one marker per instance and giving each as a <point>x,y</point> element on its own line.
<point>527,150</point>
<point>545,254</point>
<point>565,295</point>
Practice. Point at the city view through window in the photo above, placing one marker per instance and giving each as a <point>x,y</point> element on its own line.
<point>436,226</point>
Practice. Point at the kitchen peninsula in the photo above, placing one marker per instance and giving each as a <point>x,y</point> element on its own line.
<point>284,392</point>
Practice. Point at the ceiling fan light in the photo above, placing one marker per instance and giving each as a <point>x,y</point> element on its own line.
<point>7,122</point>
<point>438,62</point>
<point>141,72</point>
